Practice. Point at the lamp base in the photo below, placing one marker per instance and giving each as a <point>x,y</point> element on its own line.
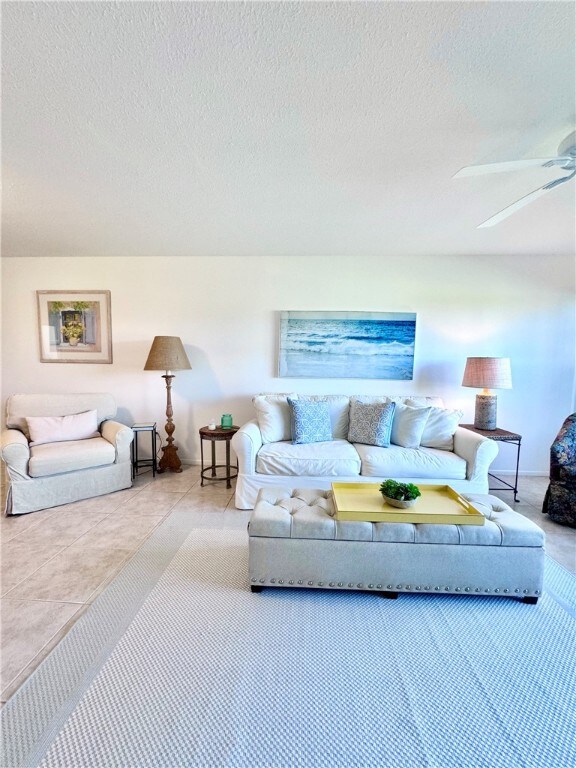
<point>485,412</point>
<point>170,461</point>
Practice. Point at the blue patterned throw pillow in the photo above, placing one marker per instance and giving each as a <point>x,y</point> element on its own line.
<point>371,423</point>
<point>310,421</point>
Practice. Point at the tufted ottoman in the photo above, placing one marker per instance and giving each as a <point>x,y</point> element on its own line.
<point>295,541</point>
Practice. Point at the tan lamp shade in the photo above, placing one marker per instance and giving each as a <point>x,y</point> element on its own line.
<point>488,373</point>
<point>167,354</point>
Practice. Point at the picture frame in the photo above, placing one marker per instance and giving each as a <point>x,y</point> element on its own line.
<point>347,345</point>
<point>74,326</point>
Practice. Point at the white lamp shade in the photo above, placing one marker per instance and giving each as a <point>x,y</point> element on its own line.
<point>488,373</point>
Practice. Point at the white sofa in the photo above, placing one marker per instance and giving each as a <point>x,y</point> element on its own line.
<point>52,468</point>
<point>268,458</point>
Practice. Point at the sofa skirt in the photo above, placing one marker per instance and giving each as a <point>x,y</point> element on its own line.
<point>31,495</point>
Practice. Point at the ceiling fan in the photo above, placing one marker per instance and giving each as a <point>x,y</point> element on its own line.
<point>566,160</point>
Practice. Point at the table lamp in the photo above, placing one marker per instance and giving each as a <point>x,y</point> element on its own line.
<point>487,373</point>
<point>167,354</point>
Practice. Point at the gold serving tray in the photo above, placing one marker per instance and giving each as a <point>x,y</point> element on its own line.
<point>439,505</point>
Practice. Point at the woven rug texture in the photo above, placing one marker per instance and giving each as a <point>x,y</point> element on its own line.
<point>191,669</point>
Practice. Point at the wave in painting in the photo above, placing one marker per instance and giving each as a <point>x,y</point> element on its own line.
<point>348,348</point>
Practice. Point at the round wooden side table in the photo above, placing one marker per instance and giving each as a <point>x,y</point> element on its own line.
<point>215,436</point>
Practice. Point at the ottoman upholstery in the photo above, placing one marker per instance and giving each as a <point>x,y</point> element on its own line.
<point>295,541</point>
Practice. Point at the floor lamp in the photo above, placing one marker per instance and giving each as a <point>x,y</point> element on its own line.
<point>167,354</point>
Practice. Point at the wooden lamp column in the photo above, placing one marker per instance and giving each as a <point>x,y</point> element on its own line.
<point>167,354</point>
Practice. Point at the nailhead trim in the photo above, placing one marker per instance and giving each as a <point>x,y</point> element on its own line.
<point>407,587</point>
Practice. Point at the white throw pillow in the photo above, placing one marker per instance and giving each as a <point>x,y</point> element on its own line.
<point>56,429</point>
<point>439,429</point>
<point>408,425</point>
<point>273,414</point>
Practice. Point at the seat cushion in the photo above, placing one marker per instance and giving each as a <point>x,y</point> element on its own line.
<point>335,458</point>
<point>69,456</point>
<point>430,463</point>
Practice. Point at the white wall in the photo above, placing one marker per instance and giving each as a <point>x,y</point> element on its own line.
<point>226,312</point>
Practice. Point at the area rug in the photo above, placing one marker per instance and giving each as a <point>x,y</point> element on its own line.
<point>177,663</point>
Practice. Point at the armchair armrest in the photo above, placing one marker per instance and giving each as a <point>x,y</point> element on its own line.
<point>120,436</point>
<point>563,451</point>
<point>478,451</point>
<point>15,451</point>
<point>246,444</point>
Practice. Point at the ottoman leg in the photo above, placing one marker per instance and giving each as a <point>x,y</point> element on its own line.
<point>388,595</point>
<point>254,588</point>
<point>530,600</point>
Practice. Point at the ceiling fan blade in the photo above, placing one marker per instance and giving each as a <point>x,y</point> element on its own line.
<point>526,200</point>
<point>512,165</point>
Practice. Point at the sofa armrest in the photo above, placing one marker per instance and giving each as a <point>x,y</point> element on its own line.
<point>478,452</point>
<point>15,452</point>
<point>246,444</point>
<point>120,436</point>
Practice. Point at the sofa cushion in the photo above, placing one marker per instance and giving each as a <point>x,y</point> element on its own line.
<point>440,428</point>
<point>309,421</point>
<point>273,414</point>
<point>371,423</point>
<point>408,425</point>
<point>336,458</point>
<point>396,462</point>
<point>56,429</point>
<point>339,406</point>
<point>55,458</point>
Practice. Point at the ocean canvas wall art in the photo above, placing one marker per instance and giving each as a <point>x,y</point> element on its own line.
<point>347,345</point>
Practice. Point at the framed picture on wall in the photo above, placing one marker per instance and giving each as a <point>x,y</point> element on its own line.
<point>74,326</point>
<point>347,345</point>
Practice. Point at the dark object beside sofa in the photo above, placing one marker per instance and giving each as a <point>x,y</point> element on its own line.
<point>560,499</point>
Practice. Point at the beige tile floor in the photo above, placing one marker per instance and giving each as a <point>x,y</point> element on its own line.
<point>55,562</point>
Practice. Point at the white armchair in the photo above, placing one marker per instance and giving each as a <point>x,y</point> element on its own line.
<point>50,472</point>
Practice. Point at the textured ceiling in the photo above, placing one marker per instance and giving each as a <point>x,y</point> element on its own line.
<point>282,128</point>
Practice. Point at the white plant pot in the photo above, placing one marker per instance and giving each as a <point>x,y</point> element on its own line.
<point>400,504</point>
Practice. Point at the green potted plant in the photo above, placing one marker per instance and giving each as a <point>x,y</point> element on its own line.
<point>401,495</point>
<point>73,331</point>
